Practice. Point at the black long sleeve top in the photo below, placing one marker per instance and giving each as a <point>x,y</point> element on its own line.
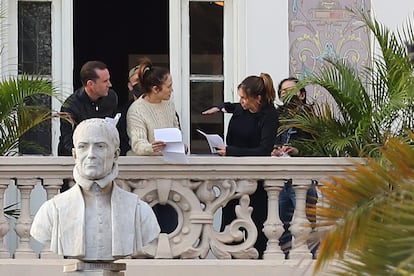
<point>251,134</point>
<point>80,107</point>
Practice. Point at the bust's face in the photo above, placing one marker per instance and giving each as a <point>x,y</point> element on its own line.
<point>94,153</point>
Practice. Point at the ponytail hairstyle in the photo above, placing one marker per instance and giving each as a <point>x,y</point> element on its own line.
<point>255,86</point>
<point>150,76</point>
<point>270,91</point>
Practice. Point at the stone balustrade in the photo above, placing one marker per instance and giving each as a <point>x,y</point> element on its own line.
<point>196,191</point>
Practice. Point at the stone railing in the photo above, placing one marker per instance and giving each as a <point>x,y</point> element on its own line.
<point>196,191</point>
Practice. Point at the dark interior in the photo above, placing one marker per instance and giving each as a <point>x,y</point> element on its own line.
<point>103,30</point>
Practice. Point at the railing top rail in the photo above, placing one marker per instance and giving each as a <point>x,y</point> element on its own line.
<point>199,166</point>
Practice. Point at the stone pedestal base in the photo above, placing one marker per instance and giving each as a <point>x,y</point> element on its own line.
<point>95,269</point>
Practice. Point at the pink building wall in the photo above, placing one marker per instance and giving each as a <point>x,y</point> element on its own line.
<point>321,29</point>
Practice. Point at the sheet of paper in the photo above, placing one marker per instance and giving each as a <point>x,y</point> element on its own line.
<point>175,157</point>
<point>214,140</point>
<point>113,121</point>
<point>168,135</point>
<point>174,151</point>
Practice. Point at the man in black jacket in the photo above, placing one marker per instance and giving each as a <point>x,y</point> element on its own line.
<point>94,99</point>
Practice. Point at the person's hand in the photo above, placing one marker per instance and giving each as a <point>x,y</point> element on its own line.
<point>221,150</point>
<point>277,151</point>
<point>284,150</point>
<point>290,150</point>
<point>212,110</point>
<point>158,146</point>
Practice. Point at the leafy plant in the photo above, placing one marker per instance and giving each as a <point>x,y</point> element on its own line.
<point>368,106</point>
<point>366,221</point>
<point>16,115</point>
<point>12,211</point>
<point>369,215</point>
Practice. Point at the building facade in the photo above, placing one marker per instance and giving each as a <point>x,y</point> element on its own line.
<point>209,46</point>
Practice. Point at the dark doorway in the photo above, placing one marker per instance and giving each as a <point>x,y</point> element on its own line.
<point>113,32</point>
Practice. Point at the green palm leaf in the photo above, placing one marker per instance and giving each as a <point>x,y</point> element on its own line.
<point>367,219</point>
<point>367,106</point>
<point>16,115</point>
<point>370,218</point>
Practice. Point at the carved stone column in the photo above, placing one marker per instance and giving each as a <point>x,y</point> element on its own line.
<point>52,187</point>
<point>4,223</point>
<point>238,238</point>
<point>300,227</point>
<point>24,222</point>
<point>273,226</point>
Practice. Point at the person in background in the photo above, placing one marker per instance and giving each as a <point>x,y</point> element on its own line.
<point>95,99</point>
<point>153,110</point>
<point>134,92</point>
<point>251,132</point>
<point>284,148</point>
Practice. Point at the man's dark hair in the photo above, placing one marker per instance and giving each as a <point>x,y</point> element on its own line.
<point>88,71</point>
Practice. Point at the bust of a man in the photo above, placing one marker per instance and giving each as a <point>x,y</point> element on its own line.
<point>95,220</point>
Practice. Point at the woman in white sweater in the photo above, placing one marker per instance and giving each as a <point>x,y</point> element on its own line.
<point>152,110</point>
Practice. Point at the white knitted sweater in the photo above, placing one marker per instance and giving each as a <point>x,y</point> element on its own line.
<point>142,118</point>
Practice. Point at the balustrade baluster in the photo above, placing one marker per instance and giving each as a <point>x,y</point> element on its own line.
<point>52,187</point>
<point>4,223</point>
<point>24,222</point>
<point>273,226</point>
<point>191,194</point>
<point>300,226</point>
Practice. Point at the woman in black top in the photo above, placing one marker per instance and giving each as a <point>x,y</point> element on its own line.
<point>251,132</point>
<point>253,127</point>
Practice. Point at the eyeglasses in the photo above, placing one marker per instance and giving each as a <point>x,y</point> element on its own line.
<point>287,89</point>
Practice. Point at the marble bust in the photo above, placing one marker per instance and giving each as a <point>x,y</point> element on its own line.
<point>95,220</point>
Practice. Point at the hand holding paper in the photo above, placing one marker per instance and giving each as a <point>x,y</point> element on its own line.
<point>214,140</point>
<point>174,151</point>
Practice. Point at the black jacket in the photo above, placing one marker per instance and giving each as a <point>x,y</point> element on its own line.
<point>251,134</point>
<point>80,107</point>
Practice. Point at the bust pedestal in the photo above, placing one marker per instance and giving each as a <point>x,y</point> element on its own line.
<point>95,269</point>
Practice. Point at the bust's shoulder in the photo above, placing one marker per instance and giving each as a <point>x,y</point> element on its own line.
<point>130,197</point>
<point>122,194</point>
<point>69,195</point>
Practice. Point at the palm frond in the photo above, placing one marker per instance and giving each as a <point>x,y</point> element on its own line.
<point>12,210</point>
<point>370,216</point>
<point>17,116</point>
<point>366,106</point>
